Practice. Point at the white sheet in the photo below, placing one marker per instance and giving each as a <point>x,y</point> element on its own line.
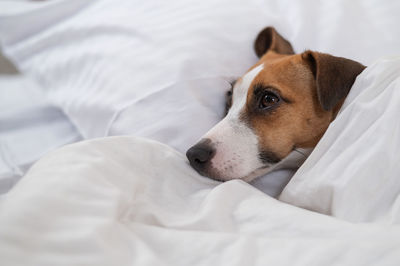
<point>29,127</point>
<point>128,201</point>
<point>114,66</point>
<point>159,69</point>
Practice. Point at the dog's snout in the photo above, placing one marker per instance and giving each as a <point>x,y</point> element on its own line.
<point>199,155</point>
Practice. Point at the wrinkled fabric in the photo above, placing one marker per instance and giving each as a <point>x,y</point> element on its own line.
<point>130,201</point>
<point>29,128</point>
<point>159,69</point>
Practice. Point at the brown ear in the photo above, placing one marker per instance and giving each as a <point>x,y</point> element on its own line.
<point>334,76</point>
<point>270,40</point>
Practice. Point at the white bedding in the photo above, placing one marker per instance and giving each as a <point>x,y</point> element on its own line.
<point>159,69</point>
<point>29,128</point>
<point>131,201</point>
<point>111,64</point>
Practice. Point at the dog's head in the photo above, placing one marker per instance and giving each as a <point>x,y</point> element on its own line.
<point>285,101</point>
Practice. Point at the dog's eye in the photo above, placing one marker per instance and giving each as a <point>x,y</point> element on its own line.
<point>268,100</point>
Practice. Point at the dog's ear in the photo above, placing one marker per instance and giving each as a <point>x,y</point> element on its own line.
<point>334,76</point>
<point>270,40</point>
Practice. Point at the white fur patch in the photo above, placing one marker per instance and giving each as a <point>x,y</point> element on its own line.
<point>236,145</point>
<point>240,92</point>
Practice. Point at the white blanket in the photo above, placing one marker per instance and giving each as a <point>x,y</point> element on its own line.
<point>128,201</point>
<point>131,201</point>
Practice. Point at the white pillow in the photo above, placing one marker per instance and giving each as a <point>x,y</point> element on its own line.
<point>157,69</point>
<point>115,67</point>
<point>354,172</point>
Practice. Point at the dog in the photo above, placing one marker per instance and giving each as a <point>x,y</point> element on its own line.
<point>282,106</point>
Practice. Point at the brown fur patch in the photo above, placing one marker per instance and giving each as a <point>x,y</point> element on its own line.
<point>298,122</point>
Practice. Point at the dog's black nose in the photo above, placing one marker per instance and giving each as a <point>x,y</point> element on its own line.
<point>199,155</point>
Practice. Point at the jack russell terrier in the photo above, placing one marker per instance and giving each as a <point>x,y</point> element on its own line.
<point>281,106</point>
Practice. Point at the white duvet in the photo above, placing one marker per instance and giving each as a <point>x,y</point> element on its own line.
<point>132,201</point>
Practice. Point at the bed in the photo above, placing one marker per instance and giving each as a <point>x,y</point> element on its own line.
<point>140,82</point>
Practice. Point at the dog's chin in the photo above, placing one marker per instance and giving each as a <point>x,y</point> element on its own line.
<point>292,161</point>
<point>223,177</point>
